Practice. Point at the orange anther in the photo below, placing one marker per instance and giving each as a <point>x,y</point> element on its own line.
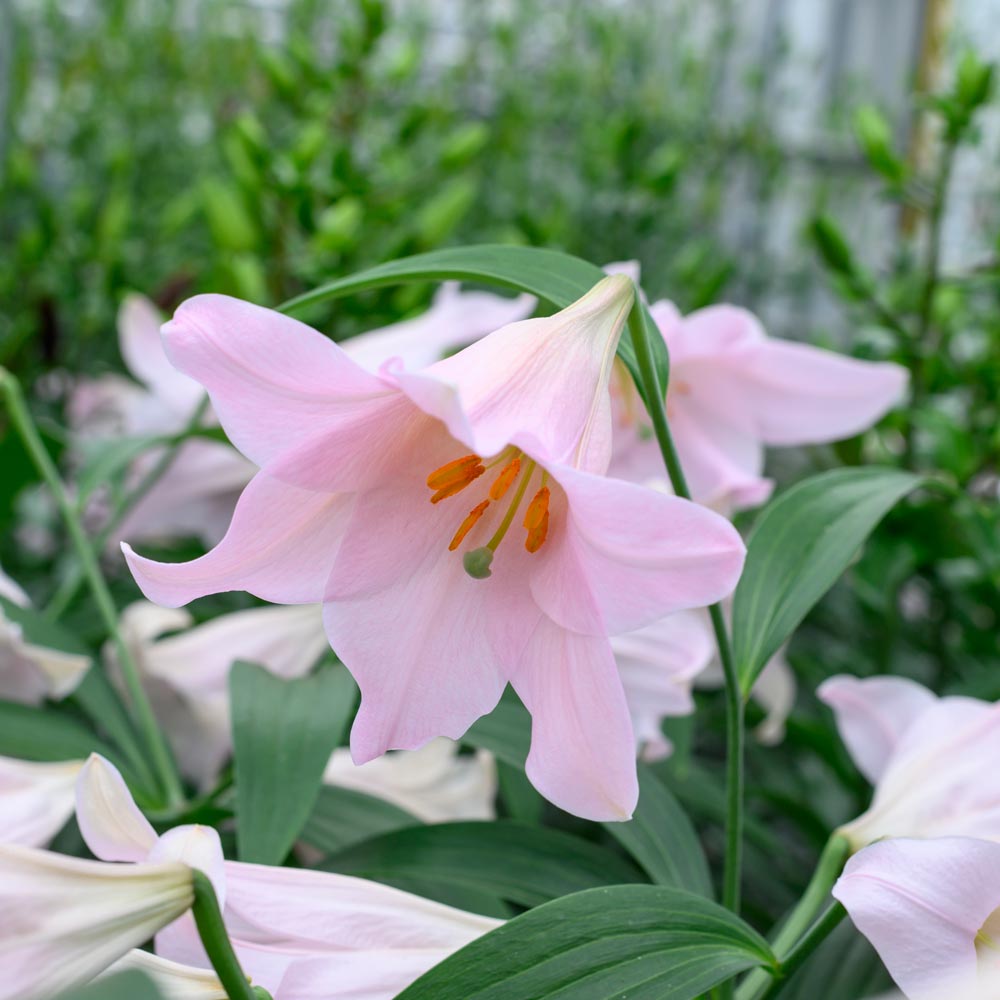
<point>457,487</point>
<point>468,524</point>
<point>538,509</point>
<point>460,470</point>
<point>537,534</point>
<point>507,476</point>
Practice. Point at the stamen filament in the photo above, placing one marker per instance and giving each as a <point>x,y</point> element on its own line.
<point>512,509</point>
<point>468,524</point>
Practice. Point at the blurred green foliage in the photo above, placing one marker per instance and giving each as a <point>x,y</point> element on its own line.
<point>177,148</point>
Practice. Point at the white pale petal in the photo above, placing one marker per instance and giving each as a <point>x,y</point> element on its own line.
<point>111,823</point>
<point>36,799</point>
<point>173,980</point>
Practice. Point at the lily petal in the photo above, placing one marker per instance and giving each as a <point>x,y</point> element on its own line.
<point>633,578</point>
<point>274,382</point>
<point>921,903</point>
<point>173,980</point>
<point>36,799</point>
<point>582,754</point>
<point>280,547</point>
<point>112,825</point>
<point>873,714</point>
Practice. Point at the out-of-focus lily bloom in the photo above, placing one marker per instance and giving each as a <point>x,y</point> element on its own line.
<point>933,760</point>
<point>187,673</point>
<point>368,940</point>
<point>734,390</point>
<point>197,493</point>
<point>658,664</point>
<point>361,503</point>
<point>64,920</point>
<point>931,909</point>
<point>433,783</point>
<point>173,980</point>
<point>36,799</point>
<point>30,673</point>
<point>454,320</point>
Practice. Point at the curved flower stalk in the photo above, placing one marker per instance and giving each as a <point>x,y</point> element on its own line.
<point>932,760</point>
<point>297,932</point>
<point>931,909</point>
<point>36,799</point>
<point>187,672</point>
<point>197,493</point>
<point>64,920</point>
<point>455,319</point>
<point>31,673</point>
<point>733,391</point>
<point>433,783</point>
<point>436,598</point>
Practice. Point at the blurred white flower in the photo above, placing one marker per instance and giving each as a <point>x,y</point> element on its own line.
<point>36,799</point>
<point>29,673</point>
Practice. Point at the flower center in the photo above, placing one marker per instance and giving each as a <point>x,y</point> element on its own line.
<point>516,472</point>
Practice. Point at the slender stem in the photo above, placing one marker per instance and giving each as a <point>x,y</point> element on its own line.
<point>71,583</point>
<point>828,921</point>
<point>735,723</point>
<point>828,868</point>
<point>925,347</point>
<point>21,418</point>
<point>215,938</point>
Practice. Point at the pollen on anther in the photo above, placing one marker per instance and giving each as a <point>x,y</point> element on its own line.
<point>536,520</point>
<point>507,476</point>
<point>459,470</point>
<point>468,524</point>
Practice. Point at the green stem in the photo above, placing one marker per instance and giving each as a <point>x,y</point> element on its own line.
<point>828,869</point>
<point>67,590</point>
<point>21,418</point>
<point>735,722</point>
<point>827,922</point>
<point>215,938</point>
<point>925,347</point>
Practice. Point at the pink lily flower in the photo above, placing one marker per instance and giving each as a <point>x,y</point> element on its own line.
<point>455,319</point>
<point>36,799</point>
<point>431,613</point>
<point>932,759</point>
<point>196,495</point>
<point>733,391</point>
<point>30,673</point>
<point>187,671</point>
<point>931,909</point>
<point>366,939</point>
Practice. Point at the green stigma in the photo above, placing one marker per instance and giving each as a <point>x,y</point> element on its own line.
<point>477,563</point>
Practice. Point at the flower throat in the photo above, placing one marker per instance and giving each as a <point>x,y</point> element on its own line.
<point>516,473</point>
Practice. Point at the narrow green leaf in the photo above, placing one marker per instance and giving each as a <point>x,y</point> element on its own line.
<point>283,734</point>
<point>505,732</point>
<point>344,816</point>
<point>39,630</point>
<point>522,864</point>
<point>661,838</point>
<point>801,543</point>
<point>640,942</point>
<point>555,277</point>
<point>45,734</point>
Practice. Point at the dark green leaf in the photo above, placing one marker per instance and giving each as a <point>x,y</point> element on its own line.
<point>343,816</point>
<point>555,277</point>
<point>661,838</point>
<point>801,543</point>
<point>640,942</point>
<point>505,732</point>
<point>40,631</point>
<point>523,864</point>
<point>283,735</point>
<point>45,734</point>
